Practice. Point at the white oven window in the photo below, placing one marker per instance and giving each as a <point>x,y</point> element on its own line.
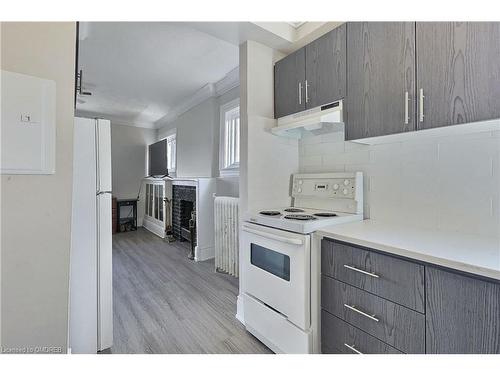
<point>270,261</point>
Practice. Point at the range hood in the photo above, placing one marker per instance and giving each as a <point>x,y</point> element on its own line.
<point>320,120</point>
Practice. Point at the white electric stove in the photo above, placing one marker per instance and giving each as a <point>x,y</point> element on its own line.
<point>300,220</point>
<point>280,271</point>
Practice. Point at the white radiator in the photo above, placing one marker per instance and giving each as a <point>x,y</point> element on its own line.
<point>226,235</point>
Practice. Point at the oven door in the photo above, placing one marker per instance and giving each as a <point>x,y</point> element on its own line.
<point>276,270</point>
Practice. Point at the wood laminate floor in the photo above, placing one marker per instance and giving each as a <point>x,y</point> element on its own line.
<point>165,303</point>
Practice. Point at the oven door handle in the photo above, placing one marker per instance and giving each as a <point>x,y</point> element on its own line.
<point>292,241</point>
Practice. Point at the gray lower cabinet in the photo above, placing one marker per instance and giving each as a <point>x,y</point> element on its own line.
<point>289,78</point>
<point>326,68</point>
<point>342,338</point>
<point>398,326</point>
<point>397,280</point>
<point>458,69</point>
<point>462,314</point>
<point>380,78</point>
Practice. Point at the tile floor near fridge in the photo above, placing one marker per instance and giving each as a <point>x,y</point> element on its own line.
<point>165,303</point>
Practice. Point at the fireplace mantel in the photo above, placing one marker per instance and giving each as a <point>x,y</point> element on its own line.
<point>204,206</point>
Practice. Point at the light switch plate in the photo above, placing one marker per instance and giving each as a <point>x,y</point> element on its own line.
<point>28,127</point>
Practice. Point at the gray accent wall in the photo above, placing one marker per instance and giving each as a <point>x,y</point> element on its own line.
<point>195,140</point>
<point>129,161</point>
<point>198,142</point>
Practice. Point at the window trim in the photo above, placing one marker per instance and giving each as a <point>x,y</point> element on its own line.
<point>173,135</point>
<point>234,169</point>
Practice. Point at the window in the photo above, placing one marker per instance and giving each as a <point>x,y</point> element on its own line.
<point>230,138</point>
<point>171,153</point>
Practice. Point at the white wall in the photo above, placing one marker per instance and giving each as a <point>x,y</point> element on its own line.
<point>226,186</point>
<point>266,161</point>
<point>129,161</point>
<point>198,133</point>
<point>36,210</point>
<point>450,182</point>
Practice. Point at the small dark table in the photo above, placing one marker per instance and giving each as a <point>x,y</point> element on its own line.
<point>127,223</point>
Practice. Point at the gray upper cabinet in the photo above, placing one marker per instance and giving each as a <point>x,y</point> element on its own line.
<point>326,68</point>
<point>458,69</point>
<point>380,78</point>
<point>462,314</point>
<point>289,80</point>
<point>312,76</point>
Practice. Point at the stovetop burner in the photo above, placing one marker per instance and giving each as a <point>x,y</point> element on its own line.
<point>302,217</point>
<point>270,213</point>
<point>293,210</point>
<point>325,214</point>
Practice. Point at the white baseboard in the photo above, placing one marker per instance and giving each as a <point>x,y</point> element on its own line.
<point>153,227</point>
<point>204,253</point>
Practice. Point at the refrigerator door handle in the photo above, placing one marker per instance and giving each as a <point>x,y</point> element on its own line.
<point>104,192</point>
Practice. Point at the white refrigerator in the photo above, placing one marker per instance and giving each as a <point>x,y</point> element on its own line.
<point>91,302</point>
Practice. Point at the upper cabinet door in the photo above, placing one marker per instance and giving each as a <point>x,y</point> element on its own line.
<point>458,71</point>
<point>326,68</point>
<point>289,84</point>
<point>380,78</point>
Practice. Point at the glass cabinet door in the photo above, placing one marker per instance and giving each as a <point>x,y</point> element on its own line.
<point>150,211</point>
<point>147,200</point>
<point>157,189</point>
<point>160,202</point>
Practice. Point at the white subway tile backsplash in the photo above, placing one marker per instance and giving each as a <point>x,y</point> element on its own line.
<point>306,161</point>
<point>309,140</point>
<point>333,137</point>
<point>355,146</point>
<point>349,157</point>
<point>384,152</point>
<point>451,182</point>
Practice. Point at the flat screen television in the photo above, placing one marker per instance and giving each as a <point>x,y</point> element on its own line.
<point>158,159</point>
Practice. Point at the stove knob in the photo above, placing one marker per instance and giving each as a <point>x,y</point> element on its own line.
<point>301,182</point>
<point>346,182</point>
<point>335,186</point>
<point>345,191</point>
<point>299,190</point>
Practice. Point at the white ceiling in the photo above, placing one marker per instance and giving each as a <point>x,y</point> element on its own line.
<point>147,73</point>
<point>139,71</point>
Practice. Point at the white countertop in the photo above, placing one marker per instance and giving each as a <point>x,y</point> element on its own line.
<point>474,254</point>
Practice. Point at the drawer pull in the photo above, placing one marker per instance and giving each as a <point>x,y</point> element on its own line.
<point>352,348</point>
<point>361,271</point>
<point>353,308</point>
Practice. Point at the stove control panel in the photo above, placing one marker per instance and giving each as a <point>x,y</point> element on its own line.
<point>329,186</point>
<point>338,191</point>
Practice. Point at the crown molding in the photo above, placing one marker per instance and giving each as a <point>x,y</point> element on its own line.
<point>198,97</point>
<point>115,120</point>
<point>228,82</point>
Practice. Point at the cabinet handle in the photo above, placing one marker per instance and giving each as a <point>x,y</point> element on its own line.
<point>352,348</point>
<point>407,117</point>
<point>300,92</point>
<point>421,102</point>
<point>307,92</point>
<point>361,271</point>
<point>353,308</point>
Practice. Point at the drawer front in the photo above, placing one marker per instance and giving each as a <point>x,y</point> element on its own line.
<point>394,324</point>
<point>340,337</point>
<point>394,279</point>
